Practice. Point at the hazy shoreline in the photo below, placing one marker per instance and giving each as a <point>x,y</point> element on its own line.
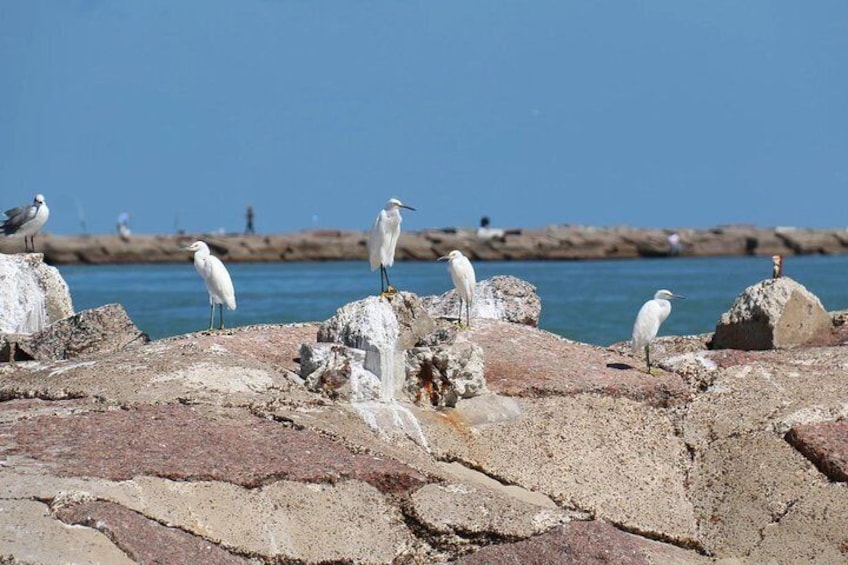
<point>550,243</point>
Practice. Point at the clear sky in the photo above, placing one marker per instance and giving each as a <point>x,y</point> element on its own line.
<point>663,113</point>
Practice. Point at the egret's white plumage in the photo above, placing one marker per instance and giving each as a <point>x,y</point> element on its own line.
<point>217,279</point>
<point>26,220</point>
<point>383,240</point>
<point>648,320</point>
<point>464,280</point>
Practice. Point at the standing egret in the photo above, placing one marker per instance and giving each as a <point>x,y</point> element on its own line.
<point>648,320</point>
<point>26,220</point>
<point>217,280</point>
<point>383,239</point>
<point>462,274</point>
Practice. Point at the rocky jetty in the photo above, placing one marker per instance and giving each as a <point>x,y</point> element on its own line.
<point>559,242</point>
<point>500,443</point>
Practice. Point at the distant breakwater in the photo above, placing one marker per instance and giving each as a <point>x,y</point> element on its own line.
<point>550,243</point>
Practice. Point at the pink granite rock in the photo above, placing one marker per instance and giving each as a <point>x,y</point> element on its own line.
<point>826,445</point>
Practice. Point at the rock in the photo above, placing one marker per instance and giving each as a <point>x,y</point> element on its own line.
<point>213,445</point>
<point>587,543</point>
<point>774,313</point>
<point>460,508</point>
<point>145,540</point>
<point>99,330</point>
<point>338,371</point>
<point>377,322</point>
<point>826,445</point>
<point>527,362</point>
<point>34,294</point>
<point>504,298</point>
<point>29,534</point>
<point>443,374</point>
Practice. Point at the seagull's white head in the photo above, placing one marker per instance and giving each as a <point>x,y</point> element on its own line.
<point>665,295</point>
<point>394,204</point>
<point>38,200</point>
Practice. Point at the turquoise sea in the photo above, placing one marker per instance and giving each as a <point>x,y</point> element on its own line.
<point>589,301</point>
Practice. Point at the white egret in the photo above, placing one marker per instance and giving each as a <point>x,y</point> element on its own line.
<point>26,220</point>
<point>648,320</point>
<point>383,239</point>
<point>217,280</point>
<point>464,280</point>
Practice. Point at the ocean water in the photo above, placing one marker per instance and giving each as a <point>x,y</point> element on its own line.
<point>590,301</point>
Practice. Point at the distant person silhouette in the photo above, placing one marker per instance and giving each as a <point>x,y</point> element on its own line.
<point>674,246</point>
<point>249,229</point>
<point>124,226</point>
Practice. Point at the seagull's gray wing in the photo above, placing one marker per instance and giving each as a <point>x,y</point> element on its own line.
<point>17,217</point>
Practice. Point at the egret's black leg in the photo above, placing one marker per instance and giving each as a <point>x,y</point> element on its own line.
<point>221,317</point>
<point>211,315</point>
<point>648,356</point>
<point>468,313</point>
<point>459,314</point>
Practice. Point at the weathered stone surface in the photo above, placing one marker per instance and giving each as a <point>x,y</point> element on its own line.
<point>142,539</point>
<point>774,313</point>
<point>825,444</point>
<point>104,329</point>
<point>475,511</point>
<point>287,521</point>
<point>34,294</point>
<point>233,366</point>
<point>29,534</point>
<point>564,448</point>
<point>504,298</point>
<point>587,543</point>
<point>328,367</point>
<point>188,443</point>
<point>811,529</point>
<point>445,373</point>
<point>523,361</point>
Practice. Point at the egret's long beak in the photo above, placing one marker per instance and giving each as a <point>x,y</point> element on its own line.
<point>407,207</point>
<point>678,296</point>
<point>187,248</point>
<point>443,258</point>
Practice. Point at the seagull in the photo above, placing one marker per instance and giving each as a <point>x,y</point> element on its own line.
<point>648,320</point>
<point>383,239</point>
<point>26,220</point>
<point>217,280</point>
<point>464,280</point>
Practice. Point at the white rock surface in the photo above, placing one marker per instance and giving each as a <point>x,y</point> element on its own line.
<point>34,295</point>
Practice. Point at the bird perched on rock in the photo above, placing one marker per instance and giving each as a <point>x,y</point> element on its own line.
<point>26,220</point>
<point>464,280</point>
<point>648,320</point>
<point>777,266</point>
<point>217,280</point>
<point>383,239</point>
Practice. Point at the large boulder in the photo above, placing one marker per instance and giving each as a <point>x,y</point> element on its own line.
<point>774,313</point>
<point>105,329</point>
<point>504,298</point>
<point>34,294</point>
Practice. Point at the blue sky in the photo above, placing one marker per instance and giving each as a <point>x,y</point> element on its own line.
<point>655,114</point>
